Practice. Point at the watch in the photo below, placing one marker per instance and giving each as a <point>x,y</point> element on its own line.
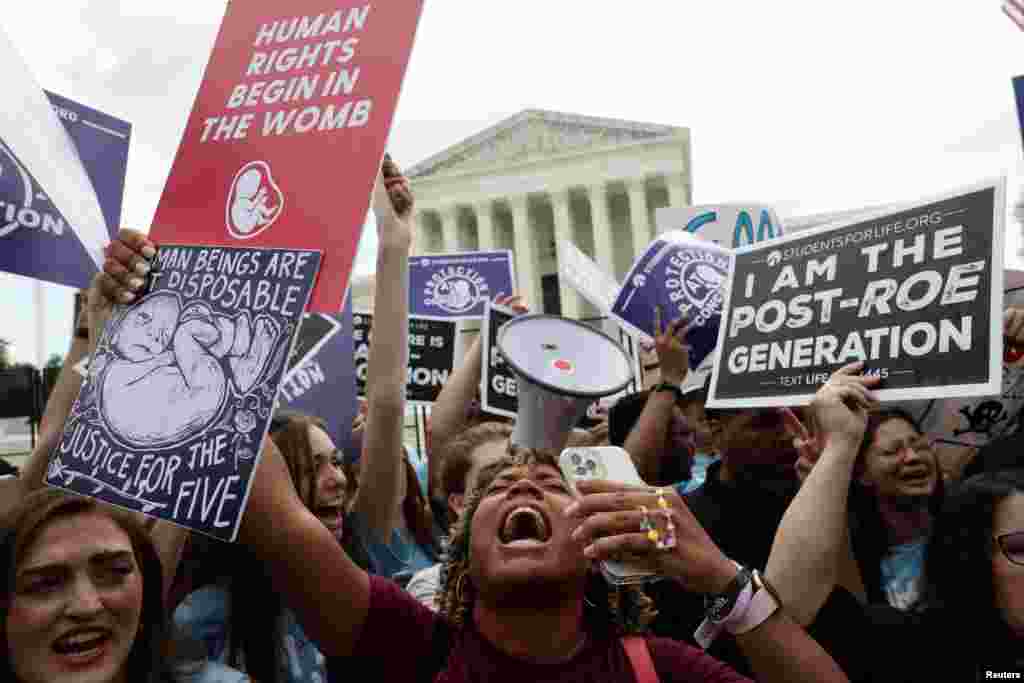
<point>717,607</point>
<point>669,386</point>
<point>81,333</point>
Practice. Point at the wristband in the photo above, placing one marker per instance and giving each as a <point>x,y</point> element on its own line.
<point>709,629</point>
<point>764,603</point>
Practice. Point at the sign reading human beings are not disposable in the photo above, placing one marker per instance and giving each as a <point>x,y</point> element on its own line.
<point>180,391</point>
<point>916,293</point>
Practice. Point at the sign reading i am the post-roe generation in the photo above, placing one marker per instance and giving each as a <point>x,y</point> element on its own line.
<point>916,294</point>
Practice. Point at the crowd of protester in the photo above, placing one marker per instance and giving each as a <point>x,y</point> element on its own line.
<point>829,532</point>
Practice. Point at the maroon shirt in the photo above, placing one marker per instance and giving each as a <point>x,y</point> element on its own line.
<point>404,641</point>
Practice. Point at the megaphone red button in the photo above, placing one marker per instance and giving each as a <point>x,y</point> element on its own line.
<point>562,365</point>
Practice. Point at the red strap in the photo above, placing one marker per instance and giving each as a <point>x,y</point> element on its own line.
<point>640,658</point>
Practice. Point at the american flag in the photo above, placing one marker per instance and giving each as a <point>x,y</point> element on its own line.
<point>1015,10</point>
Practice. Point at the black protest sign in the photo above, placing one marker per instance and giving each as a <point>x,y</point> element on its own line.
<point>181,388</point>
<point>916,293</point>
<point>315,332</point>
<point>499,391</point>
<point>431,356</point>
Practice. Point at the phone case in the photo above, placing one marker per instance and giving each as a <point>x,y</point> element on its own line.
<point>614,464</point>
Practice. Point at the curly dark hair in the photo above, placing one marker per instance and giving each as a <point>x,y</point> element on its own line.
<point>620,611</point>
<point>958,562</point>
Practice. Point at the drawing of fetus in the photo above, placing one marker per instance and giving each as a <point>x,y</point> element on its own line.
<point>248,209</point>
<point>167,380</point>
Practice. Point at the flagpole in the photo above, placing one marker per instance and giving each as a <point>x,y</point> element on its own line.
<point>37,291</point>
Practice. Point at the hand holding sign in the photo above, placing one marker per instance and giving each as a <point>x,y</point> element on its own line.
<point>392,205</point>
<point>842,404</point>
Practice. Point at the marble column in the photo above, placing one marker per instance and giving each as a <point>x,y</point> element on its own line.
<point>678,190</point>
<point>421,243</point>
<point>449,216</point>
<point>565,231</point>
<point>485,226</point>
<point>525,254</point>
<point>604,246</point>
<point>639,216</point>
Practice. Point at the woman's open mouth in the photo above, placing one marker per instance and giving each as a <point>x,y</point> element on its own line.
<point>82,647</point>
<point>524,526</point>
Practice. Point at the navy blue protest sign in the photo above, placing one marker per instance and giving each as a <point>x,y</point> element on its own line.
<point>916,293</point>
<point>36,239</point>
<point>321,377</point>
<point>181,389</point>
<point>682,275</point>
<point>1018,93</point>
<point>457,286</point>
<point>499,388</point>
<point>431,356</point>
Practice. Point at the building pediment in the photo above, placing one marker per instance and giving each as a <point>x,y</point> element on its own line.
<point>534,135</point>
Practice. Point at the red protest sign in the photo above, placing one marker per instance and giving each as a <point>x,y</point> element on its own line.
<point>287,132</point>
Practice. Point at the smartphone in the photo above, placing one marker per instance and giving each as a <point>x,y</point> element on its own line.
<point>613,464</point>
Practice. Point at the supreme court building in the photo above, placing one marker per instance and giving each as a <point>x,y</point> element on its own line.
<point>541,176</point>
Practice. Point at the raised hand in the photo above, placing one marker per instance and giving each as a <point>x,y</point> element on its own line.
<point>808,446</point>
<point>673,352</point>
<point>513,301</point>
<point>120,281</point>
<point>392,205</point>
<point>842,404</point>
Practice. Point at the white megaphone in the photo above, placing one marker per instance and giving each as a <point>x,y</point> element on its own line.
<point>562,367</point>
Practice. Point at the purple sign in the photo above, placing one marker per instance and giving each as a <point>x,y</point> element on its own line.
<point>35,238</point>
<point>684,276</point>
<point>320,380</point>
<point>181,388</point>
<point>457,286</point>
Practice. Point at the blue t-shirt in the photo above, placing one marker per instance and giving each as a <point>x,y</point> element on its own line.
<point>903,573</point>
<point>698,473</point>
<point>403,555</point>
<point>203,615</point>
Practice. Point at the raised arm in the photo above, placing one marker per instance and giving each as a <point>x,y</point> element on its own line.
<point>314,576</point>
<point>807,559</point>
<point>646,441</point>
<point>450,413</point>
<point>65,390</point>
<point>377,505</point>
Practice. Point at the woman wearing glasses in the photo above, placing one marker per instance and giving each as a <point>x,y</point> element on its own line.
<point>969,615</point>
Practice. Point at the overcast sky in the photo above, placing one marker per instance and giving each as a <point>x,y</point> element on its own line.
<point>808,106</point>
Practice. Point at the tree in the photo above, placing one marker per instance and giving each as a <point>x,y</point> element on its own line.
<point>54,362</point>
<point>5,354</point>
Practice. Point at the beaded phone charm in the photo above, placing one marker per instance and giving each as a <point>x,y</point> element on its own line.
<point>662,539</point>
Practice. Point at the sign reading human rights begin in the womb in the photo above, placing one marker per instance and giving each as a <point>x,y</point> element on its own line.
<point>916,293</point>
<point>287,132</point>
